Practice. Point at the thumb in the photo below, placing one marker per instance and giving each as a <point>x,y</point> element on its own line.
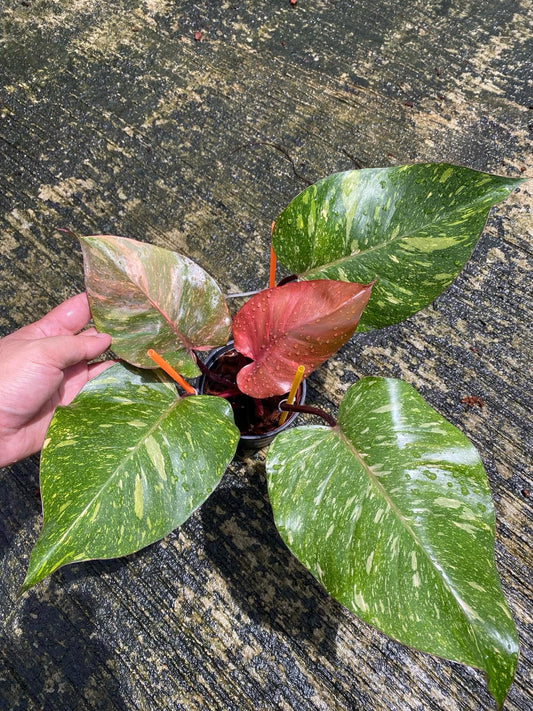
<point>63,351</point>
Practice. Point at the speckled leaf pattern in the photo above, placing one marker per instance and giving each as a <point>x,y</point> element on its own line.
<point>148,297</point>
<point>300,323</point>
<point>391,511</point>
<point>124,464</point>
<point>412,227</point>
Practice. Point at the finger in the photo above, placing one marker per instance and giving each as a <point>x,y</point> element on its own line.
<point>67,318</point>
<point>63,351</point>
<point>76,376</point>
<point>95,369</point>
<point>90,331</point>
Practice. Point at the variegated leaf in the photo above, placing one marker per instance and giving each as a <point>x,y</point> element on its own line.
<point>301,323</point>
<point>148,297</point>
<point>391,511</point>
<point>411,227</point>
<point>124,464</point>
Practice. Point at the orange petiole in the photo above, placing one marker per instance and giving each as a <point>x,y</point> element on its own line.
<point>162,363</point>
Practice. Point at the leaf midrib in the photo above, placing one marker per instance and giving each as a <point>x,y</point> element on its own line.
<point>405,524</point>
<point>174,328</point>
<point>293,333</point>
<point>108,481</point>
<point>122,271</point>
<point>437,221</point>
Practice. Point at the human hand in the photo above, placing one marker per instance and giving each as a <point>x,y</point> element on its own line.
<point>44,365</point>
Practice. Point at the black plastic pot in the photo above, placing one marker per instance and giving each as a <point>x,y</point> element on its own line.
<point>253,441</point>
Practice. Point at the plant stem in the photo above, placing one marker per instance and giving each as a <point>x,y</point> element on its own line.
<point>210,375</point>
<point>228,393</point>
<point>332,422</point>
<point>242,294</point>
<point>259,409</point>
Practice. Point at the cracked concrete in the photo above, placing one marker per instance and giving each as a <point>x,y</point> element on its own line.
<point>116,120</point>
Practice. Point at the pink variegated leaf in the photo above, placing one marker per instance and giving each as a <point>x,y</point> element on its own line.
<point>148,297</point>
<point>300,323</point>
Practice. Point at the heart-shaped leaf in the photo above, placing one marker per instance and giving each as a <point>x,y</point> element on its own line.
<point>411,227</point>
<point>148,297</point>
<point>124,464</point>
<point>391,511</point>
<point>300,323</point>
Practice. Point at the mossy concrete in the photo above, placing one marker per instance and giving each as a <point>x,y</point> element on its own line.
<point>115,119</point>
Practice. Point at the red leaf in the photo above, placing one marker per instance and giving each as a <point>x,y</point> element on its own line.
<point>300,323</point>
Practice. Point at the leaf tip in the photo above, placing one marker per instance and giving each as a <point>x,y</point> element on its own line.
<point>66,231</point>
<point>30,581</point>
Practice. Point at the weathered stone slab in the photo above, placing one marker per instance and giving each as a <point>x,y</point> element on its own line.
<point>114,118</point>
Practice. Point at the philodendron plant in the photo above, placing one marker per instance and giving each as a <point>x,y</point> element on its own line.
<point>390,507</point>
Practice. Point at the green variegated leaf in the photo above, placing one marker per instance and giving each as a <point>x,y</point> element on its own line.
<point>148,297</point>
<point>124,464</point>
<point>391,511</point>
<point>411,227</point>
